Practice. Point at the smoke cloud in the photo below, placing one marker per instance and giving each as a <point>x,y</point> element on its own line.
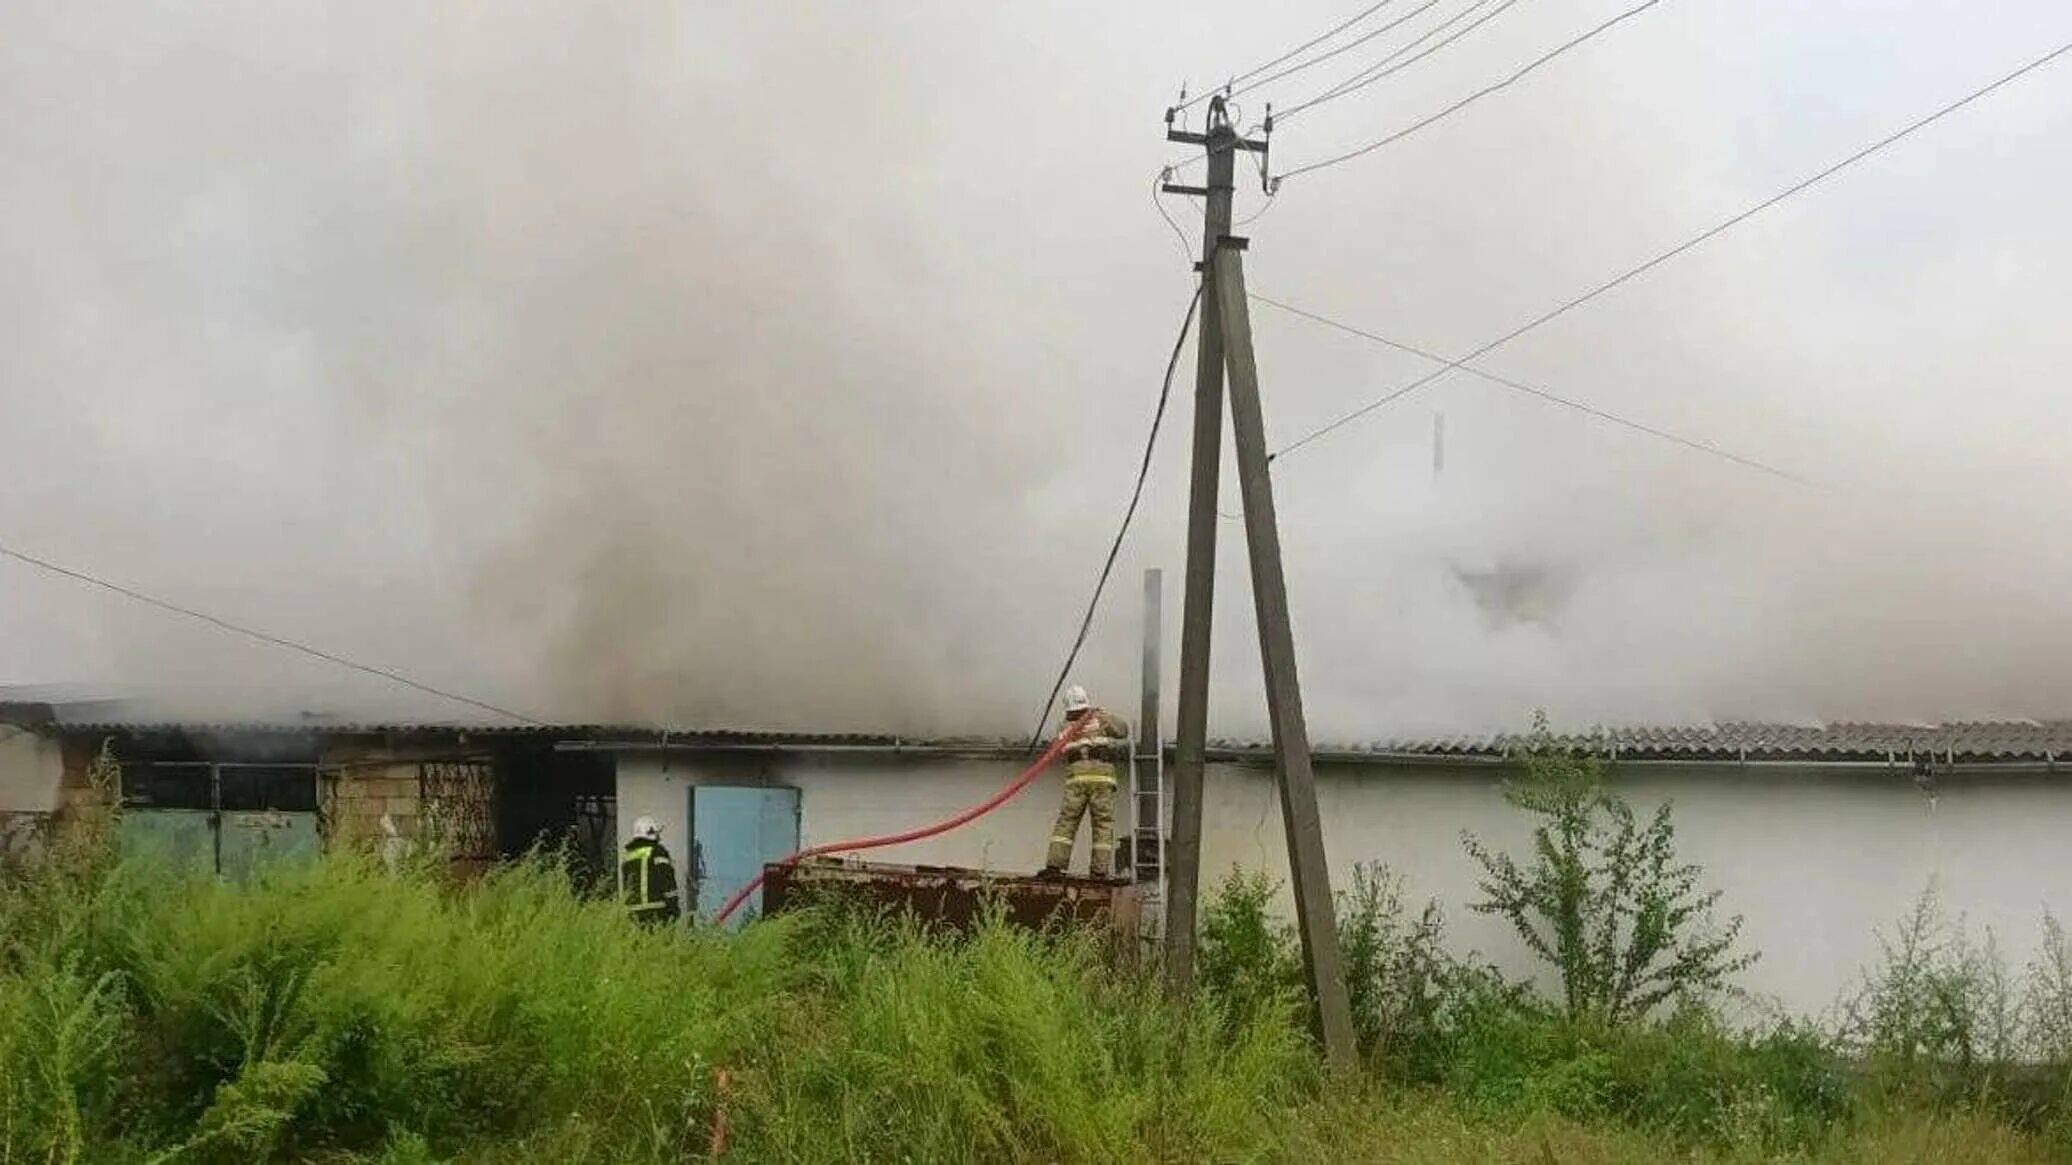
<point>786,366</point>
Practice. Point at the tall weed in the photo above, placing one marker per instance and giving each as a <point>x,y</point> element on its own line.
<point>1937,1017</point>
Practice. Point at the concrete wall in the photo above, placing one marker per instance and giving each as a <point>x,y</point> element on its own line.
<point>1816,857</point>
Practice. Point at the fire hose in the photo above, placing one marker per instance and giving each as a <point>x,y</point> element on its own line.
<point>863,843</point>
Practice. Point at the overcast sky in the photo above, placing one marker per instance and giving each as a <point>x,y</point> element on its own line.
<point>786,365</point>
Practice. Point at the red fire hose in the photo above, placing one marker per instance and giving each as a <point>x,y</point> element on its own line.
<point>977,811</point>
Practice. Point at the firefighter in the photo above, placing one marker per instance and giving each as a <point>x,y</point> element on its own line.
<point>647,878</point>
<point>1092,762</point>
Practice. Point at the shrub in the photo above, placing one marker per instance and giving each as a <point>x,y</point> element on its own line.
<point>1247,957</point>
<point>1604,899</point>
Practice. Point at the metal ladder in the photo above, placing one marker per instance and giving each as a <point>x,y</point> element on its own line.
<point>1147,833</point>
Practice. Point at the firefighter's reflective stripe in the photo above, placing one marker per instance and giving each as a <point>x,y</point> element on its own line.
<point>1090,772</point>
<point>644,857</point>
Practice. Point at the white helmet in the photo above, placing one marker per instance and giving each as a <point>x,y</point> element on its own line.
<point>647,827</point>
<point>1075,699</point>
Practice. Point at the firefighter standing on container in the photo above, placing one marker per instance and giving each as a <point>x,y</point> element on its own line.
<point>1093,761</point>
<point>647,877</point>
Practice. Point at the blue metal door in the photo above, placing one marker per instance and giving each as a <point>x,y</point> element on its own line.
<point>735,830</point>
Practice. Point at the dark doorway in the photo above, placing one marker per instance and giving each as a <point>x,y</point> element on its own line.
<point>565,801</point>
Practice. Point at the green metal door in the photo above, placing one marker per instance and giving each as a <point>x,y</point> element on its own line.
<point>249,842</point>
<point>266,814</point>
<point>230,819</point>
<point>179,838</point>
<point>169,813</point>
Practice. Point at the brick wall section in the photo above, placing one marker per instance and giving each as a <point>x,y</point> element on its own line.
<point>79,802</point>
<point>362,781</point>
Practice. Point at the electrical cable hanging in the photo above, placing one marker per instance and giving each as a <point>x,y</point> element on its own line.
<point>1158,180</point>
<point>1086,621</point>
<point>1064,737</point>
<point>1687,245</point>
<point>1477,95</point>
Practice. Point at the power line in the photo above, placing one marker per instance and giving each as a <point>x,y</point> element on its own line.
<point>1347,47</point>
<point>261,636</point>
<point>1688,244</point>
<point>1535,391</point>
<point>1178,164</point>
<point>1086,621</point>
<point>1388,67</point>
<point>1477,95</point>
<point>1428,34</point>
<point>1369,75</point>
<point>1301,48</point>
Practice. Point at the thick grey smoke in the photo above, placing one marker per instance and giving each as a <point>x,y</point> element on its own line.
<point>786,365</point>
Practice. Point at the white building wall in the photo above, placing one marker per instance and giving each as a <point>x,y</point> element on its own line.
<point>1816,858</point>
<point>30,770</point>
<point>652,785</point>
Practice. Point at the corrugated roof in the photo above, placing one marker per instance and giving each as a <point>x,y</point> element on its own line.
<point>1971,740</point>
<point>640,735</point>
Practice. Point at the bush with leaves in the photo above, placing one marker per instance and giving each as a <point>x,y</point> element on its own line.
<point>1407,993</point>
<point>1604,898</point>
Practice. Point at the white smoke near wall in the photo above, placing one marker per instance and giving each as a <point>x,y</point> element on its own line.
<point>786,367</point>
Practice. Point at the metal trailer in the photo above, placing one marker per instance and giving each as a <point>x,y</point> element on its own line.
<point>957,898</point>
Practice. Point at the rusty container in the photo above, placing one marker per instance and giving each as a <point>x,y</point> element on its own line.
<point>955,897</point>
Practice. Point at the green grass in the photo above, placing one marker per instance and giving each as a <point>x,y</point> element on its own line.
<point>341,1013</point>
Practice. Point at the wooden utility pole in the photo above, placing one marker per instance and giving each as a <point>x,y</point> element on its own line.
<point>1314,916</point>
<point>1183,864</point>
<point>1226,344</point>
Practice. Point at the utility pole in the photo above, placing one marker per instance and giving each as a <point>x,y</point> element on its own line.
<point>1226,344</point>
<point>1183,866</point>
<point>1305,827</point>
